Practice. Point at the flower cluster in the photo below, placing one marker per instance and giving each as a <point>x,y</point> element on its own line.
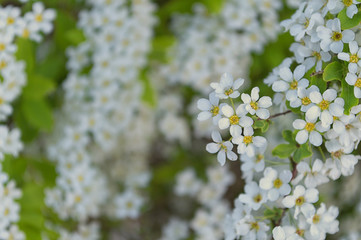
<point>207,221</point>
<point>12,74</point>
<point>102,111</point>
<point>281,195</point>
<point>209,45</point>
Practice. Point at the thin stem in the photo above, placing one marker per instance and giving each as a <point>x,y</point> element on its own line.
<point>232,104</point>
<point>322,154</point>
<point>279,114</point>
<point>276,163</point>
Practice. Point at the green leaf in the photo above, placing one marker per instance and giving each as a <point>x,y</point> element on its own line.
<point>284,150</point>
<point>304,151</point>
<point>38,113</point>
<point>261,124</point>
<point>288,136</point>
<point>319,82</point>
<point>333,71</point>
<point>214,6</point>
<point>347,93</point>
<point>38,87</point>
<point>75,36</point>
<point>274,213</point>
<point>346,22</point>
<point>26,52</point>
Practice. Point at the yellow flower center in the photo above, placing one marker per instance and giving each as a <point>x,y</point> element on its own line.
<point>6,212</point>
<point>317,55</point>
<point>215,110</point>
<point>255,226</point>
<point>39,18</point>
<point>257,198</point>
<point>300,200</point>
<point>3,64</point>
<point>254,105</point>
<point>306,101</point>
<point>2,47</point>
<point>337,36</point>
<point>234,120</point>
<point>247,139</point>
<point>129,205</point>
<point>293,85</point>
<point>229,92</point>
<point>1,101</point>
<point>307,23</point>
<point>277,183</point>
<point>358,83</point>
<point>259,158</point>
<point>353,58</point>
<point>337,154</point>
<point>10,20</point>
<point>300,232</point>
<point>316,219</point>
<point>26,33</point>
<point>347,2</point>
<point>324,104</point>
<point>77,199</point>
<point>309,127</point>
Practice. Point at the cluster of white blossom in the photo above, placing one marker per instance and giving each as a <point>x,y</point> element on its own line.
<point>283,198</point>
<point>102,106</point>
<point>208,218</point>
<point>12,79</point>
<point>209,45</point>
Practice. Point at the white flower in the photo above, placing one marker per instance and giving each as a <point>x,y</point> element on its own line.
<point>234,119</point>
<point>313,177</point>
<point>223,148</point>
<point>332,38</point>
<point>303,98</point>
<point>321,221</point>
<point>248,143</point>
<point>285,233</point>
<point>227,87</point>
<point>249,228</point>
<point>276,184</point>
<point>300,199</point>
<point>210,108</point>
<point>254,107</point>
<point>254,196</point>
<point>354,80</point>
<point>326,107</point>
<point>290,82</point>
<point>336,6</point>
<point>354,57</point>
<point>187,183</point>
<point>309,130</point>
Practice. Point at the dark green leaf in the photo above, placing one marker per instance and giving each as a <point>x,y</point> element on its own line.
<point>346,22</point>
<point>288,136</point>
<point>333,71</point>
<point>347,94</point>
<point>38,113</point>
<point>284,150</point>
<point>304,151</point>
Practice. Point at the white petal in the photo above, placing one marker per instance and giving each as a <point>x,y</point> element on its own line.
<point>348,36</point>
<point>255,94</point>
<point>278,233</point>
<point>265,102</point>
<point>302,137</point>
<point>263,113</point>
<point>286,74</point>
<point>336,47</point>
<point>280,86</point>
<point>315,138</point>
<point>289,201</point>
<point>313,113</point>
<point>212,147</point>
<point>223,123</point>
<point>344,56</point>
<point>246,98</point>
<point>227,111</point>
<point>204,104</point>
<point>221,157</point>
<point>299,124</point>
<point>216,137</point>
<point>202,116</point>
